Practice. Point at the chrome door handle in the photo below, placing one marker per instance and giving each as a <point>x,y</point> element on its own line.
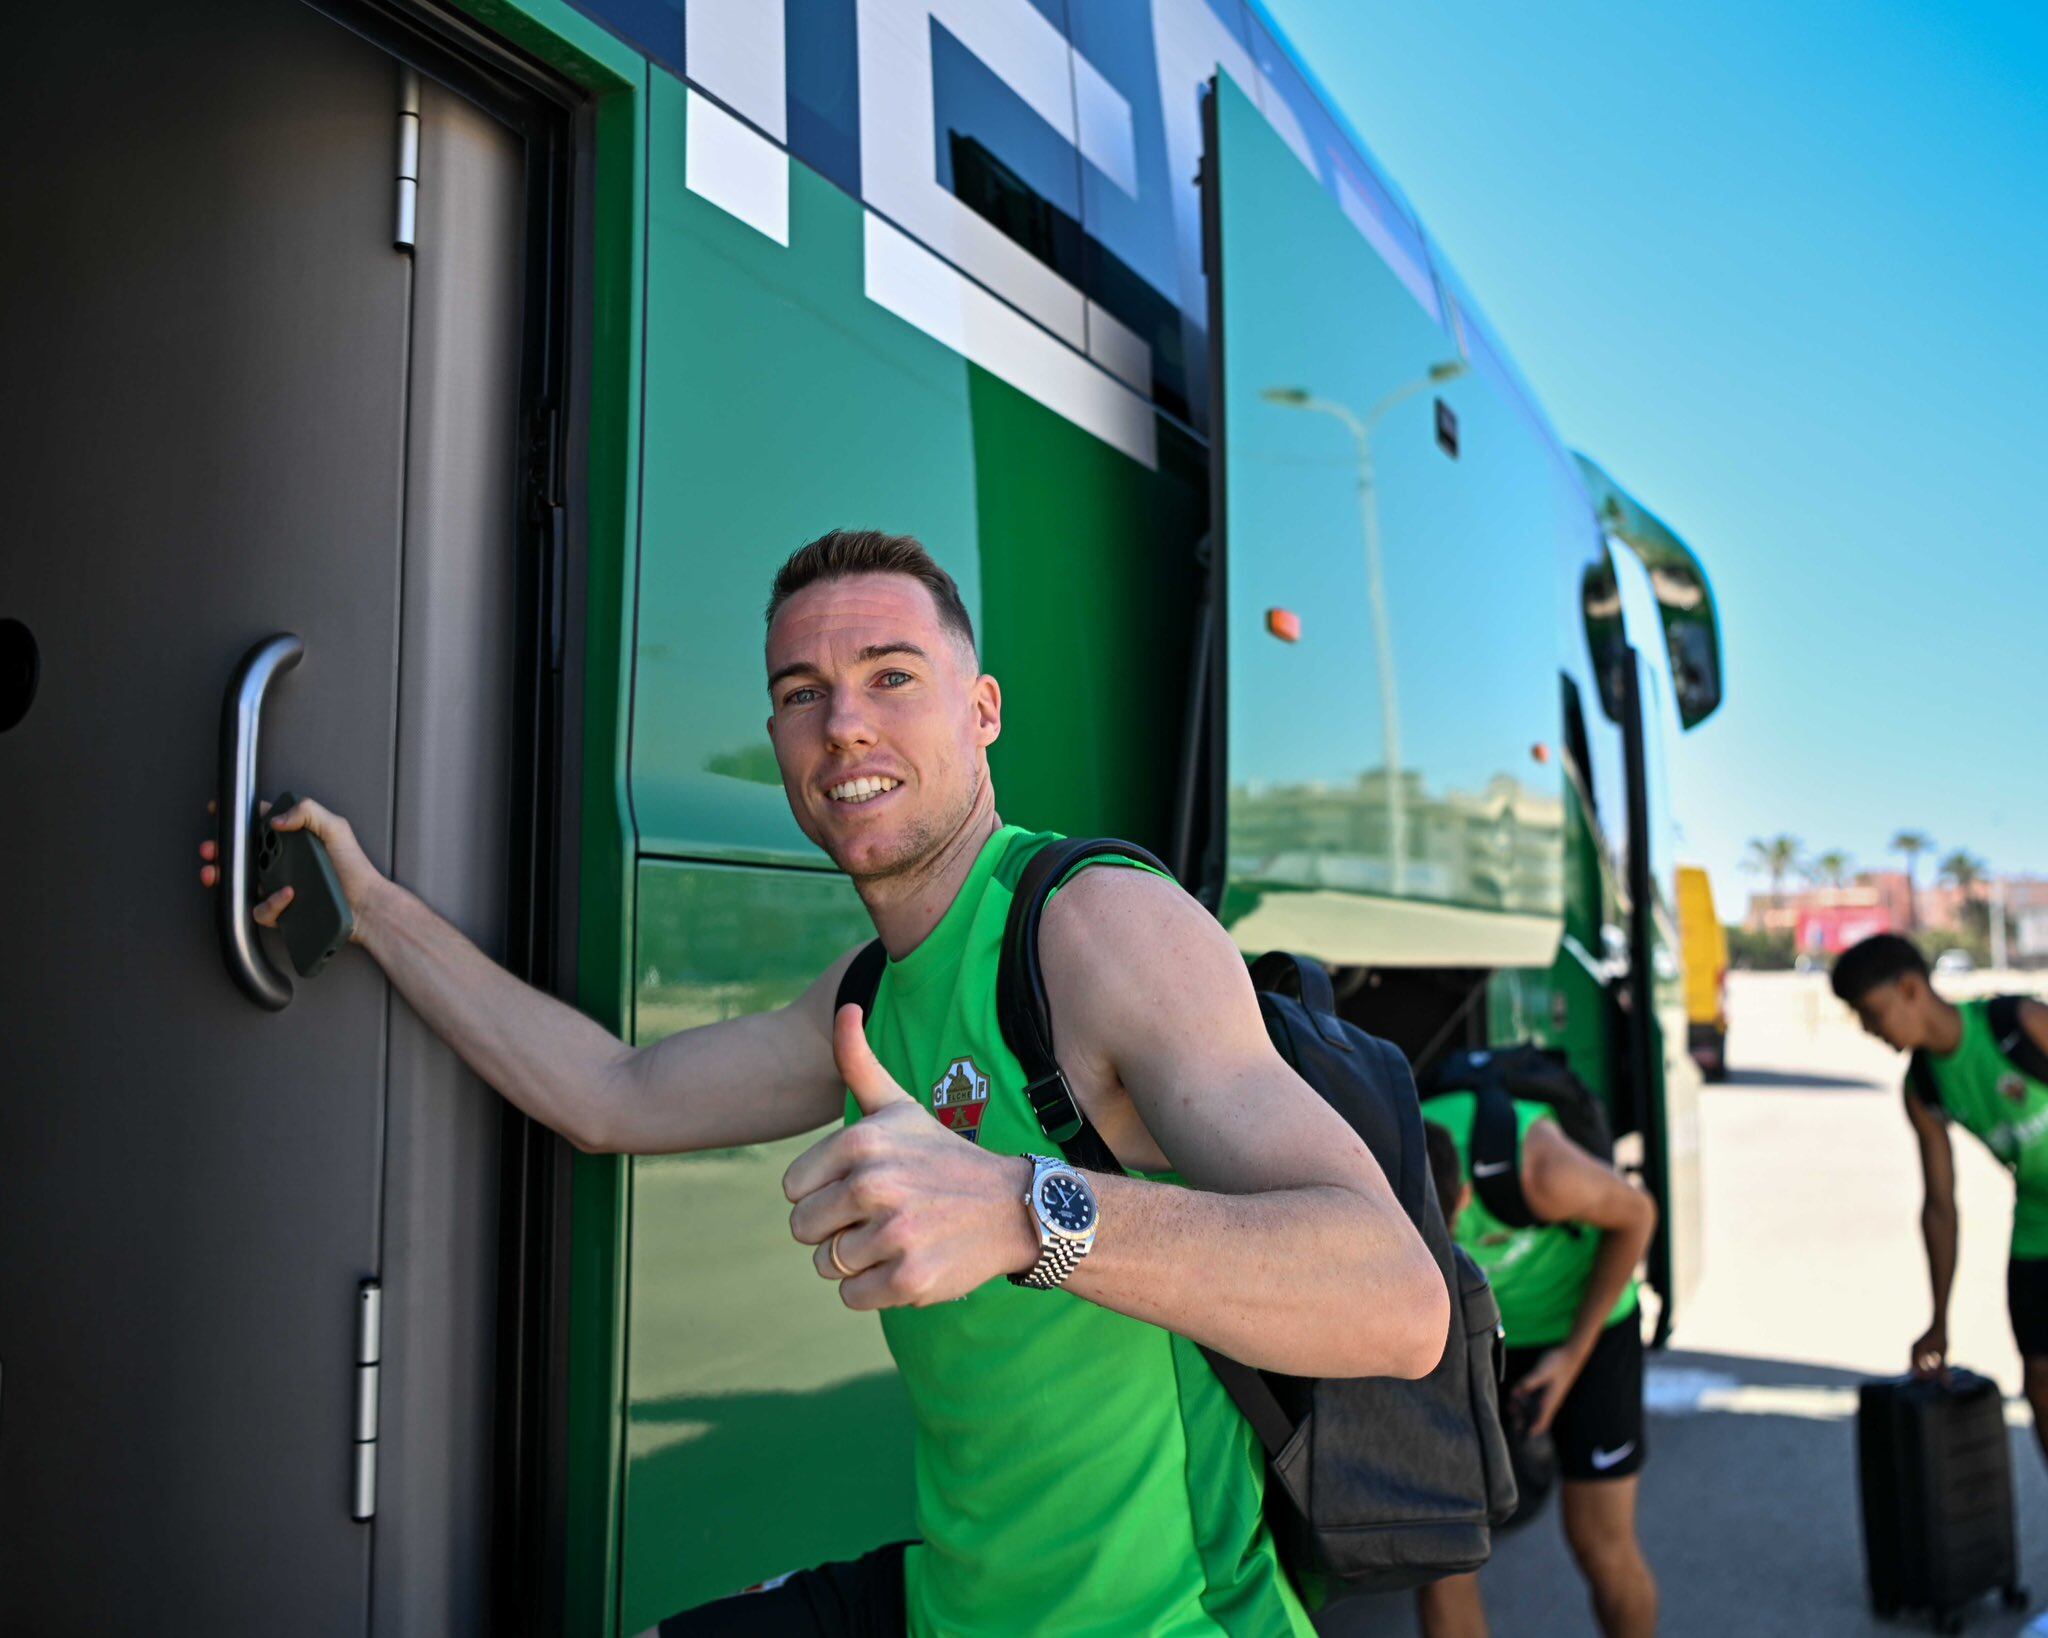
<point>241,721</point>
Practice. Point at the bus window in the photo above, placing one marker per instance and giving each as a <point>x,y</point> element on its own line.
<point>1606,637</point>
<point>1577,750</point>
<point>655,26</point>
<point>823,70</point>
<point>998,156</point>
<point>1639,608</point>
<point>1128,259</point>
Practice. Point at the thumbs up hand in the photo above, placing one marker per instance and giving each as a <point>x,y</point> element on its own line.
<point>871,1085</point>
<point>903,1212</point>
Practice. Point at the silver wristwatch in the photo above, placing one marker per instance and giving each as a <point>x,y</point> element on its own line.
<point>1063,1206</point>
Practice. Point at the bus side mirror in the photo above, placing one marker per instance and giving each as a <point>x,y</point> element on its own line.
<point>1685,597</point>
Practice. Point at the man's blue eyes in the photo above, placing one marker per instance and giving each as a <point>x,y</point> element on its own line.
<point>801,696</point>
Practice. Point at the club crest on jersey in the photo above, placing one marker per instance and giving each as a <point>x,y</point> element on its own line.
<point>2012,1087</point>
<point>958,1098</point>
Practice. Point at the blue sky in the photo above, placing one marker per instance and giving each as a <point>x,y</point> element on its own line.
<point>1783,270</point>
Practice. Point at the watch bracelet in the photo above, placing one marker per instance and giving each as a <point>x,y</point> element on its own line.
<point>1055,1262</point>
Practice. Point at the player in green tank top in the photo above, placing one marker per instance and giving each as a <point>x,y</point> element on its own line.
<point>1567,1293</point>
<point>1962,1071</point>
<point>1079,1468</point>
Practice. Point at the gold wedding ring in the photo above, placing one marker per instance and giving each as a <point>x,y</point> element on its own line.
<point>832,1249</point>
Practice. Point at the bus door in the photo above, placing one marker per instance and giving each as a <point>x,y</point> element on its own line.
<point>235,409</point>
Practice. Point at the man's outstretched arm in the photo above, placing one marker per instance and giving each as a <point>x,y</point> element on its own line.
<point>1289,1250</point>
<point>742,1080</point>
<point>1937,1226</point>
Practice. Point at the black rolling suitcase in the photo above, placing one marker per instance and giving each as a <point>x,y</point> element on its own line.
<point>1937,1495</point>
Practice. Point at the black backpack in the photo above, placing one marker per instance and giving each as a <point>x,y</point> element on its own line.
<point>1498,1078</point>
<point>2002,1013</point>
<point>1376,1483</point>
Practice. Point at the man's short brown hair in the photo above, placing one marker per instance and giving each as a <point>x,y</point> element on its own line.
<point>846,552</point>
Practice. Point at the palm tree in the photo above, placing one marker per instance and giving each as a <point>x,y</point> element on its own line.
<point>1965,872</point>
<point>1912,843</point>
<point>1776,859</point>
<point>1962,870</point>
<point>1831,869</point>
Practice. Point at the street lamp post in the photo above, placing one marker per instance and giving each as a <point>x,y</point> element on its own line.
<point>1997,908</point>
<point>1361,430</point>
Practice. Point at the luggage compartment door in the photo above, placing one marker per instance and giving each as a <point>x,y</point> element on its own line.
<point>234,408</point>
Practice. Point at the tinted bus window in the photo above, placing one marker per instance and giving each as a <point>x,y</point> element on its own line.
<point>1577,747</point>
<point>1361,765</point>
<point>1190,40</point>
<point>999,158</point>
<point>1660,717</point>
<point>1129,268</point>
<point>822,63</point>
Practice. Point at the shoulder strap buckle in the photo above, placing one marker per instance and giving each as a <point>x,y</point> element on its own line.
<point>1052,1101</point>
<point>1023,1010</point>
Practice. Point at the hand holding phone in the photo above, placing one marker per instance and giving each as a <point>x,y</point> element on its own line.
<point>318,921</point>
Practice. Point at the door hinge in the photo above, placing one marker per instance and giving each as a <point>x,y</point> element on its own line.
<point>408,158</point>
<point>369,1352</point>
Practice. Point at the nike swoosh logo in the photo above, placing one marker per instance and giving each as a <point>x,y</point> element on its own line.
<point>1493,1170</point>
<point>1604,1459</point>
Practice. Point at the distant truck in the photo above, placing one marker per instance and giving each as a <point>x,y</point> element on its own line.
<point>1705,945</point>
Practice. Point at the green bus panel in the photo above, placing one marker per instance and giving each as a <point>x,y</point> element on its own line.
<point>765,1427</point>
<point>782,402</point>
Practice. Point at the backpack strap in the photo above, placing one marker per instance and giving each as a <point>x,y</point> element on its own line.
<point>1253,1395</point>
<point>863,976</point>
<point>1284,973</point>
<point>1026,1019</point>
<point>2002,1012</point>
<point>1497,1157</point>
<point>1021,1006</point>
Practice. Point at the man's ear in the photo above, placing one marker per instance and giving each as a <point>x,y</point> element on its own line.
<point>988,710</point>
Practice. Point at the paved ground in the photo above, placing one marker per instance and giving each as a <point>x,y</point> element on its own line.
<point>1814,1279</point>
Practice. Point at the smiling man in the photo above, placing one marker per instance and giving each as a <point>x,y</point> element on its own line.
<point>1079,1468</point>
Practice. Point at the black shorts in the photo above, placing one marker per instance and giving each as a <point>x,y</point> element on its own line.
<point>2026,1300</point>
<point>860,1599</point>
<point>1599,1427</point>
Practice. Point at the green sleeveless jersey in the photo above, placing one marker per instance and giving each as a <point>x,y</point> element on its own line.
<point>1077,1471</point>
<point>1539,1273</point>
<point>1981,1090</point>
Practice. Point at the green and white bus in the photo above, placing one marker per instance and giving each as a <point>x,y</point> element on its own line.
<point>409,401</point>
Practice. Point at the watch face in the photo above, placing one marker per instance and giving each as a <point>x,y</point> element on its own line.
<point>1067,1203</point>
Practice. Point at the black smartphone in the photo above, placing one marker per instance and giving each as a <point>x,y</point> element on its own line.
<point>318,922</point>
